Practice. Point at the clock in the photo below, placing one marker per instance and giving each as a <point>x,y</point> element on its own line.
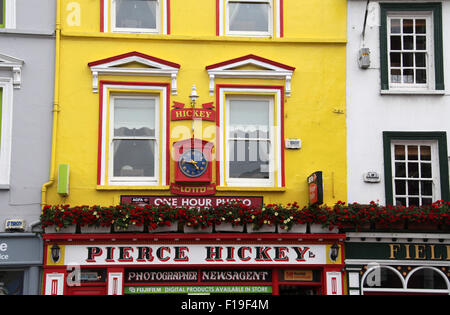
<point>193,163</point>
<point>192,159</point>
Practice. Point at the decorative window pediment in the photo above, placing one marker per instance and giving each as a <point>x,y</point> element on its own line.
<point>15,65</point>
<point>250,66</point>
<point>134,63</point>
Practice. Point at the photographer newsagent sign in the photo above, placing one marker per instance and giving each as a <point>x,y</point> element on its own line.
<point>228,278</point>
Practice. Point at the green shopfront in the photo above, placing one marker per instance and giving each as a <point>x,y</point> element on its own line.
<point>398,263</point>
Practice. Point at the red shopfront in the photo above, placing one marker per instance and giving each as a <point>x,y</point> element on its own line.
<point>173,263</point>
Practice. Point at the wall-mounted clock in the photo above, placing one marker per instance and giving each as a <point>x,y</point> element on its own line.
<point>193,163</point>
<point>193,160</point>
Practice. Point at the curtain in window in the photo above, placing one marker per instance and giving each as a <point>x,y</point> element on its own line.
<point>134,137</point>
<point>249,139</point>
<point>136,13</point>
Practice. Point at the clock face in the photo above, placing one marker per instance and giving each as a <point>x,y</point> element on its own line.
<point>193,163</point>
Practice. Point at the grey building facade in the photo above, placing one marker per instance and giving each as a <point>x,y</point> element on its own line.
<point>27,54</point>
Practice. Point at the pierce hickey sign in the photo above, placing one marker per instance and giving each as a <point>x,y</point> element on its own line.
<point>195,254</point>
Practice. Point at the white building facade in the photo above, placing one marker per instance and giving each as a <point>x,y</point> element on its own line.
<point>398,110</point>
<point>398,102</point>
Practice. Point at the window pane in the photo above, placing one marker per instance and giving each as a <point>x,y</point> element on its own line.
<point>400,187</point>
<point>134,117</point>
<point>412,152</point>
<point>421,76</point>
<point>395,59</point>
<point>408,26</point>
<point>249,159</point>
<point>396,76</point>
<point>408,76</point>
<point>11,282</point>
<point>249,16</point>
<point>396,42</point>
<point>408,42</point>
<point>400,201</point>
<point>425,153</point>
<point>421,43</point>
<point>134,158</point>
<point>395,26</point>
<point>136,13</point>
<point>1,13</point>
<point>425,170</point>
<point>400,170</point>
<point>408,60</point>
<point>249,118</point>
<point>427,201</point>
<point>421,27</point>
<point>413,187</point>
<point>427,188</point>
<point>426,278</point>
<point>399,152</point>
<point>382,278</point>
<point>420,60</point>
<point>413,170</point>
<point>413,202</point>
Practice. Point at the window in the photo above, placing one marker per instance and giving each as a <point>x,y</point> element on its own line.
<point>2,13</point>
<point>11,282</point>
<point>250,142</point>
<point>250,18</point>
<point>135,16</point>
<point>133,135</point>
<point>6,87</point>
<point>411,47</point>
<point>134,138</point>
<point>133,121</point>
<point>416,168</point>
<point>249,133</point>
<point>414,164</point>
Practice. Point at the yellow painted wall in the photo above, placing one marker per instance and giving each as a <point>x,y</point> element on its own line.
<point>314,44</point>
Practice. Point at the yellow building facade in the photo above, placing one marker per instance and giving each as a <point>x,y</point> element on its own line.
<point>195,103</point>
<point>288,58</point>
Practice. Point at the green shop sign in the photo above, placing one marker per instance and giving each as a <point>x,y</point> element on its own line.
<point>398,251</point>
<point>238,289</point>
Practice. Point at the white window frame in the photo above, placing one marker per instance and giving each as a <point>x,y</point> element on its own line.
<point>249,33</point>
<point>247,182</point>
<point>278,98</point>
<point>106,90</point>
<point>156,30</point>
<point>137,180</point>
<point>435,168</point>
<point>10,14</point>
<point>6,84</point>
<point>430,74</point>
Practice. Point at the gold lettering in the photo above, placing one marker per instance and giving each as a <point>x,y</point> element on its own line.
<point>394,250</point>
<point>432,253</point>
<point>208,114</point>
<point>420,251</point>
<point>407,252</point>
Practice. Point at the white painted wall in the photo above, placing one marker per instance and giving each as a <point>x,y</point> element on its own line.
<point>369,113</point>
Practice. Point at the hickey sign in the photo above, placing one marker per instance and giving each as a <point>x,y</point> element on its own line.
<point>195,254</point>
